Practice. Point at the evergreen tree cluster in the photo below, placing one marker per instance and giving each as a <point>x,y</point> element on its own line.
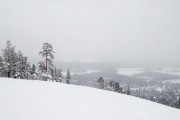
<point>113,86</point>
<point>14,64</point>
<point>167,97</point>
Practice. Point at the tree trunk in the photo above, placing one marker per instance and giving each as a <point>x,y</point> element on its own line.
<point>8,75</point>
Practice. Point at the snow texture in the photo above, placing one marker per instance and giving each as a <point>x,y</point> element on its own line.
<point>40,100</point>
<point>88,71</point>
<point>129,71</point>
<point>168,71</point>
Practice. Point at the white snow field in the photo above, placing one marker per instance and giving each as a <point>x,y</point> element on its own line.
<point>41,100</point>
<point>170,71</point>
<point>129,71</point>
<point>87,71</point>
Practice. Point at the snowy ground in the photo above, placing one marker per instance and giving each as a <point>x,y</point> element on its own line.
<point>133,71</point>
<point>129,71</point>
<point>39,100</point>
<point>88,71</point>
<point>168,71</point>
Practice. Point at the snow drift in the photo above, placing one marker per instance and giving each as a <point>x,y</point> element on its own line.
<point>40,100</point>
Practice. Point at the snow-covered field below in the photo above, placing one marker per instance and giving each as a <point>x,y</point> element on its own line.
<point>129,71</point>
<point>168,71</point>
<point>40,100</point>
<point>88,71</point>
<point>133,71</point>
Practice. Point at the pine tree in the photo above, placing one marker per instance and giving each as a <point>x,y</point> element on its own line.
<point>47,53</point>
<point>128,90</point>
<point>121,88</point>
<point>27,70</point>
<point>116,87</point>
<point>33,69</point>
<point>100,82</point>
<point>55,75</point>
<point>32,72</point>
<point>52,74</point>
<point>59,75</point>
<point>42,70</point>
<point>111,85</point>
<point>1,67</point>
<point>21,66</point>
<point>10,59</point>
<point>68,77</point>
<point>42,67</point>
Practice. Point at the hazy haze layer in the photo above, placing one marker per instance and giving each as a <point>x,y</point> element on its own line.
<point>94,30</point>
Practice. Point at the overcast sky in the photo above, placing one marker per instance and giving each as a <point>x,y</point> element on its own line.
<point>94,30</point>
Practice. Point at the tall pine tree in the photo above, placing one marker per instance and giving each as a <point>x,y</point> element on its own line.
<point>47,54</point>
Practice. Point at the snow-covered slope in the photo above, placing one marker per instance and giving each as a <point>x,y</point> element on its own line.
<point>39,100</point>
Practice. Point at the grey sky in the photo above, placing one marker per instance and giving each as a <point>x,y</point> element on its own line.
<point>94,30</point>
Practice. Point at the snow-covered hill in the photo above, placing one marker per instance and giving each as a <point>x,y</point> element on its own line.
<point>39,100</point>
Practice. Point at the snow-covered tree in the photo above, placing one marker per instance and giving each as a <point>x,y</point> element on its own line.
<point>59,75</point>
<point>33,72</point>
<point>122,88</point>
<point>42,71</point>
<point>55,76</point>
<point>10,59</point>
<point>68,76</point>
<point>52,73</point>
<point>116,87</point>
<point>47,54</point>
<point>128,90</point>
<point>100,82</point>
<point>111,85</point>
<point>1,67</point>
<point>33,69</point>
<point>21,66</point>
<point>27,70</point>
<point>42,67</point>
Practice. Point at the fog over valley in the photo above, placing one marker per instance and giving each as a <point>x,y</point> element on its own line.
<point>126,32</point>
